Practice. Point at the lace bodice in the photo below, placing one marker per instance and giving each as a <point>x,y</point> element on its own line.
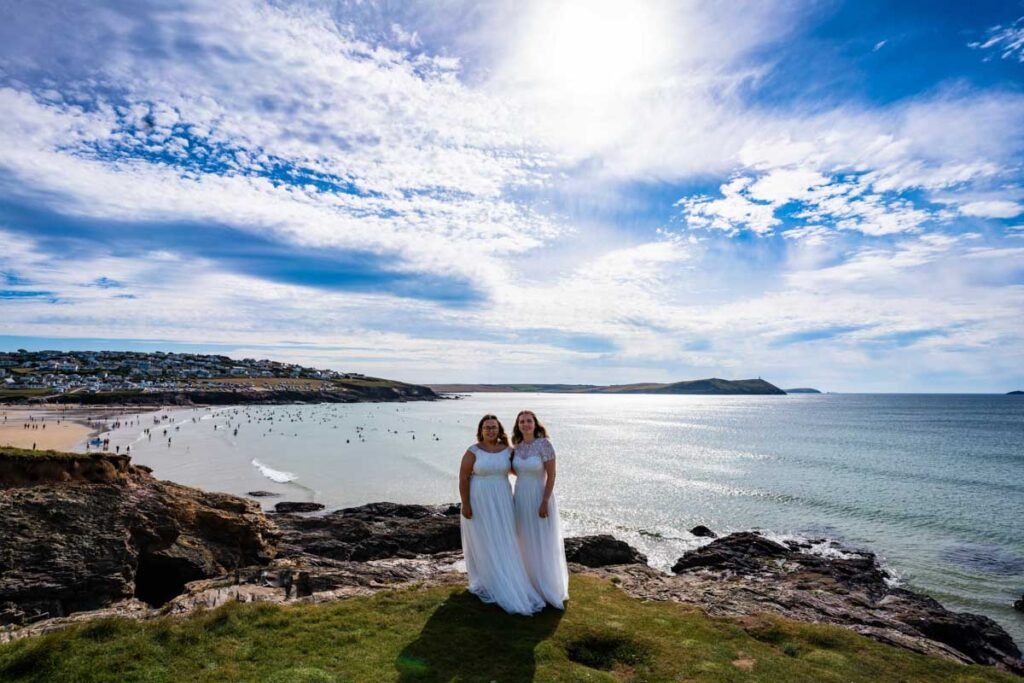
<point>490,464</point>
<point>541,448</point>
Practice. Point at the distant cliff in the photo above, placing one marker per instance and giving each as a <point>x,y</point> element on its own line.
<point>699,386</point>
<point>802,390</point>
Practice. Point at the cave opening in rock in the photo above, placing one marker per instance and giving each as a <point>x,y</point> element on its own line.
<point>160,579</point>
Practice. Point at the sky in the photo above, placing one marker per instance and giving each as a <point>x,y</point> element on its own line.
<point>824,194</point>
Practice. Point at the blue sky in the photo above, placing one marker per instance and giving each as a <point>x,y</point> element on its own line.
<point>822,194</point>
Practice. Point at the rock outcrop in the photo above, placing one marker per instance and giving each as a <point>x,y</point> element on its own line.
<point>289,506</point>
<point>745,574</point>
<point>80,533</point>
<point>372,532</point>
<point>601,551</point>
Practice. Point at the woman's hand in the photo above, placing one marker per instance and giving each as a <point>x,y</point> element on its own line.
<point>467,511</point>
<point>543,509</point>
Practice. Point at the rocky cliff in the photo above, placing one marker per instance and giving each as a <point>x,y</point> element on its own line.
<point>82,532</point>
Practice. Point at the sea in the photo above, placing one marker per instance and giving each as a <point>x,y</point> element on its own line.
<point>933,484</point>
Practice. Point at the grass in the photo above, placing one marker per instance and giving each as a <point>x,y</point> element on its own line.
<point>12,452</point>
<point>24,393</point>
<point>370,382</point>
<point>446,634</point>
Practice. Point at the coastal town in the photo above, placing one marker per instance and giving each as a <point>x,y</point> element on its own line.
<point>42,373</point>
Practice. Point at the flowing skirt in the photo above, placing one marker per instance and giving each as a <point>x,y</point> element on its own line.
<point>495,567</point>
<point>540,541</point>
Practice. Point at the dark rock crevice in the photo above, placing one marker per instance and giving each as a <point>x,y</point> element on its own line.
<point>159,579</point>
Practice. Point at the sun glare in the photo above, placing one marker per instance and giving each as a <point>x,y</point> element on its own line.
<point>592,48</point>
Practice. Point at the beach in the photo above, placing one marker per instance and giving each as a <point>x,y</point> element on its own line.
<point>49,428</point>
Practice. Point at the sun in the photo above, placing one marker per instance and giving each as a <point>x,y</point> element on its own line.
<point>592,48</point>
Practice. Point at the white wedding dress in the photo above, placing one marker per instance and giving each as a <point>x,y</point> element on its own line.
<point>495,567</point>
<point>540,538</point>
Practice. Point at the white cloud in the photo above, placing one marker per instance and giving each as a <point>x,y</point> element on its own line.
<point>735,211</point>
<point>874,264</point>
<point>783,185</point>
<point>992,209</point>
<point>846,203</point>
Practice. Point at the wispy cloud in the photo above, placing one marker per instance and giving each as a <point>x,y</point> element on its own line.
<point>1006,41</point>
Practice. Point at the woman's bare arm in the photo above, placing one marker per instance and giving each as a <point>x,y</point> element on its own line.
<point>549,486</point>
<point>465,471</point>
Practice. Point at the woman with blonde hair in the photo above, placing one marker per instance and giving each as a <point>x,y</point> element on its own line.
<point>495,567</point>
<point>538,527</point>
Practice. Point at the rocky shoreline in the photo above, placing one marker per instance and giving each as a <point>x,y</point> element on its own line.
<point>83,537</point>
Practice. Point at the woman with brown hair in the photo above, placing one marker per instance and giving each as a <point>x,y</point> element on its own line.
<point>538,528</point>
<point>495,567</point>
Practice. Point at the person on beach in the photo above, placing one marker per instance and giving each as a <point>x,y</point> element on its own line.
<point>495,567</point>
<point>538,528</point>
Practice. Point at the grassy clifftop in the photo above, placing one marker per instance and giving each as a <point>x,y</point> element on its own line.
<point>445,634</point>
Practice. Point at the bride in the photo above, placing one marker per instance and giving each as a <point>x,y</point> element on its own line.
<point>496,572</point>
<point>537,525</point>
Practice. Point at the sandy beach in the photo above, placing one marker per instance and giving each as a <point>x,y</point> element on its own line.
<point>61,429</point>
